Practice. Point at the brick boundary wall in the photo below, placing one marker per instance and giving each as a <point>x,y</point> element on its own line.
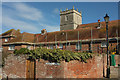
<point>15,67</point>
<point>73,69</point>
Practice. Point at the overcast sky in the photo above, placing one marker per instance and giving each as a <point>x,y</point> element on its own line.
<point>32,17</point>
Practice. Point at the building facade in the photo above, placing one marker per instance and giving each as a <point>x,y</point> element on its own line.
<point>73,35</point>
<point>79,40</point>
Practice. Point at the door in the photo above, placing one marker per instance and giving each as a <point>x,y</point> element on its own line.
<point>30,69</point>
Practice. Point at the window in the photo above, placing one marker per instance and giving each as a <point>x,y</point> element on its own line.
<point>47,46</point>
<point>104,44</point>
<point>61,46</point>
<point>11,47</point>
<point>6,39</point>
<point>56,46</point>
<point>51,46</point>
<point>29,47</point>
<point>78,46</point>
<point>66,18</point>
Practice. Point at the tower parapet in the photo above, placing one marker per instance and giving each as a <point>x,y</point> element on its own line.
<point>70,19</point>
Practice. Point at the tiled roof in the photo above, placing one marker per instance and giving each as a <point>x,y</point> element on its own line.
<point>94,25</point>
<point>23,37</point>
<point>11,32</point>
<point>84,33</point>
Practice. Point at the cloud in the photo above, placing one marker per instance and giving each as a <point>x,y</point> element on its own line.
<point>19,17</point>
<point>28,12</point>
<point>25,17</point>
<point>7,21</point>
<point>51,28</point>
<point>25,11</point>
<point>56,11</point>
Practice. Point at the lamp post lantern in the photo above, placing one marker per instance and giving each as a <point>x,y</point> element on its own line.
<point>108,68</point>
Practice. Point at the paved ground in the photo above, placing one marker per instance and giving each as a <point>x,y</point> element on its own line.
<point>114,72</point>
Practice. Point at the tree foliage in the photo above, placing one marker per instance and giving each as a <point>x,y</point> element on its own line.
<point>54,55</point>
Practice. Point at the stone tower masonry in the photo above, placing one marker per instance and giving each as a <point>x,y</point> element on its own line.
<point>70,19</point>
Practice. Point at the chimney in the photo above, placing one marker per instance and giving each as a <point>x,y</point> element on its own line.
<point>99,24</point>
<point>99,21</point>
<point>44,31</point>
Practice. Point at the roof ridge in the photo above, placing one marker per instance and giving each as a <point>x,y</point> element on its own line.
<point>102,22</point>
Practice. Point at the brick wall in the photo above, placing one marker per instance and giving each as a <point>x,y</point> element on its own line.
<point>96,47</point>
<point>5,48</point>
<point>92,69</point>
<point>73,69</point>
<point>15,67</point>
<point>44,70</point>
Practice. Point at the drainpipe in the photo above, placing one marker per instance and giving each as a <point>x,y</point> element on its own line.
<point>66,40</point>
<point>117,40</point>
<point>91,38</point>
<point>78,41</point>
<point>55,41</point>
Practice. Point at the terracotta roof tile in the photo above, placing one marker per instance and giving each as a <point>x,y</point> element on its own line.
<point>84,33</point>
<point>24,37</point>
<point>94,25</point>
<point>10,32</point>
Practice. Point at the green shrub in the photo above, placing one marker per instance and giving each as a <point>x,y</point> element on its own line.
<point>54,55</point>
<point>21,51</point>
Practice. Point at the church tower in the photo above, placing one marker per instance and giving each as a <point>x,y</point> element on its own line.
<point>70,19</point>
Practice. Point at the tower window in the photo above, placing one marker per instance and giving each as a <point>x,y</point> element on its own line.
<point>66,18</point>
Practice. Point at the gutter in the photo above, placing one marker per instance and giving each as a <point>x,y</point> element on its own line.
<point>69,41</point>
<point>7,36</point>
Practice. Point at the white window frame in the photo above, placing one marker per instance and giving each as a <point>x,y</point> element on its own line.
<point>104,44</point>
<point>11,47</point>
<point>61,46</point>
<point>51,46</point>
<point>77,46</point>
<point>47,46</point>
<point>6,39</point>
<point>29,47</point>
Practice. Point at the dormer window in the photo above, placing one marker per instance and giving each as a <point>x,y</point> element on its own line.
<point>6,39</point>
<point>66,18</point>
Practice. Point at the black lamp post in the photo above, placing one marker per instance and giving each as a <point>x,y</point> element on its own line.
<point>107,20</point>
